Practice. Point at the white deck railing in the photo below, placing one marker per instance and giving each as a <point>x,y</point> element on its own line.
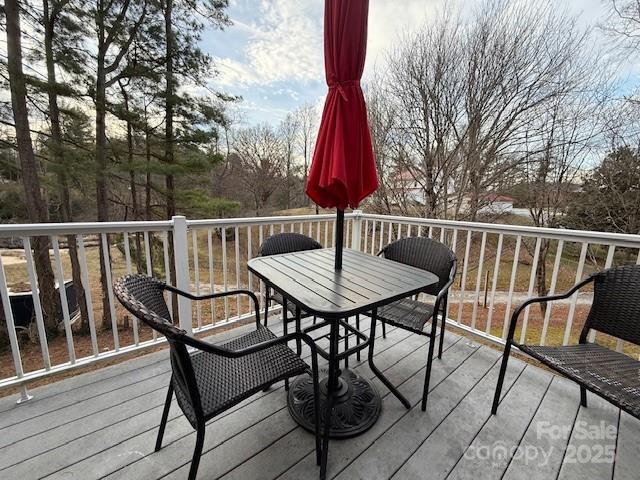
<point>497,268</point>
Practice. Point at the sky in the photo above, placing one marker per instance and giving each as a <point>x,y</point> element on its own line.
<point>272,55</point>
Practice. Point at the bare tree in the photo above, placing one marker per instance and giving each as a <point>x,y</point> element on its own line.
<point>288,131</point>
<point>260,156</point>
<point>307,117</point>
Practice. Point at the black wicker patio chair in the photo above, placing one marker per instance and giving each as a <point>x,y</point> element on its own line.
<point>412,314</point>
<point>285,243</point>
<point>615,311</point>
<point>214,378</point>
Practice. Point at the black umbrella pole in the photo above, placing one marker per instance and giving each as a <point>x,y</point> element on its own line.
<point>339,239</point>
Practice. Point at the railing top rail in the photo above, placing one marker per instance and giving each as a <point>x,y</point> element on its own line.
<point>226,222</point>
<point>76,228</point>
<point>605,238</point>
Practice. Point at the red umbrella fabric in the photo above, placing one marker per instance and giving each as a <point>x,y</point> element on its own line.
<point>343,170</point>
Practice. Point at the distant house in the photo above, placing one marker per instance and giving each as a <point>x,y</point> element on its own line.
<point>405,185</point>
<point>496,204</point>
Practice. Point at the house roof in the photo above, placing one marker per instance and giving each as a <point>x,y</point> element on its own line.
<point>497,197</point>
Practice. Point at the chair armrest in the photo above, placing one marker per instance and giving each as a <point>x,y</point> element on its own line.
<point>228,293</point>
<point>549,298</point>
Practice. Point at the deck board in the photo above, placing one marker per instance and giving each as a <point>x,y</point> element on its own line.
<point>103,424</point>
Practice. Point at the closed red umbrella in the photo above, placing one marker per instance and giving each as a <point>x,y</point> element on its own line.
<point>343,170</point>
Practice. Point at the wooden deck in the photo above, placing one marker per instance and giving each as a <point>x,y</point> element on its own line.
<point>103,425</point>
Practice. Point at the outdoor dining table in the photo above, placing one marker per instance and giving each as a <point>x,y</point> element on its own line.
<point>309,280</point>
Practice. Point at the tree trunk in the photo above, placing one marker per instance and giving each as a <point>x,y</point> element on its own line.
<point>102,192</point>
<point>36,206</point>
<point>169,139</point>
<point>49,20</point>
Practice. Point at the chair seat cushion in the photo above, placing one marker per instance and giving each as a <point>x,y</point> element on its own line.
<point>223,382</point>
<point>407,313</point>
<point>611,374</point>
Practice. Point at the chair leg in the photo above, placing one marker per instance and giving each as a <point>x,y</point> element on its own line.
<point>197,451</point>
<point>442,329</point>
<point>358,338</point>
<point>384,329</point>
<point>165,414</point>
<point>427,375</point>
<point>266,306</point>
<point>583,396</point>
<point>503,370</point>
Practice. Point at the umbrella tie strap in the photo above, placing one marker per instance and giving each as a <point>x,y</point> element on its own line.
<point>339,86</point>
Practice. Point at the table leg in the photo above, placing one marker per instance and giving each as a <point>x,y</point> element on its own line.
<point>375,370</point>
<point>346,344</point>
<point>285,331</point>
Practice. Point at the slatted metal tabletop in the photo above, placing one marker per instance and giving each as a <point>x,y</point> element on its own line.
<point>309,280</point>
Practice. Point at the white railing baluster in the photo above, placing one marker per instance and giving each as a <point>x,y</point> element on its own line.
<point>318,231</point>
<point>512,284</point>
<point>463,280</point>
<point>212,274</point>
<point>33,280</point>
<point>149,265</point>
<point>196,274</point>
<point>82,257</point>
<point>129,270</point>
<point>430,235</point>
<point>225,283</point>
<point>249,257</point>
<point>478,279</point>
<point>399,231</point>
<point>263,295</point>
<point>532,283</point>
<point>389,233</point>
<point>106,257</point>
<point>608,264</point>
<point>62,290</point>
<point>366,236</point>
<point>282,228</point>
<point>552,290</point>
<point>11,326</point>
<point>373,236</point>
<point>127,252</point>
<point>496,270</point>
<point>382,236</point>
<point>333,234</point>
<point>167,279</point>
<point>236,241</point>
<point>441,234</point>
<point>147,254</point>
<point>574,297</point>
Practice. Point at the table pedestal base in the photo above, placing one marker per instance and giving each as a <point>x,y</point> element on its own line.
<point>356,404</point>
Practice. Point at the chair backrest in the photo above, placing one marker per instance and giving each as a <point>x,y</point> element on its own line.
<point>287,243</point>
<point>616,303</point>
<point>143,297</point>
<point>426,254</point>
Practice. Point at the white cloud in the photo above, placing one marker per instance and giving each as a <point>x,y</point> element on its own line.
<point>284,44</point>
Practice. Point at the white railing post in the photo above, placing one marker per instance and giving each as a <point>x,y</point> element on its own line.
<point>181,259</point>
<point>356,230</point>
